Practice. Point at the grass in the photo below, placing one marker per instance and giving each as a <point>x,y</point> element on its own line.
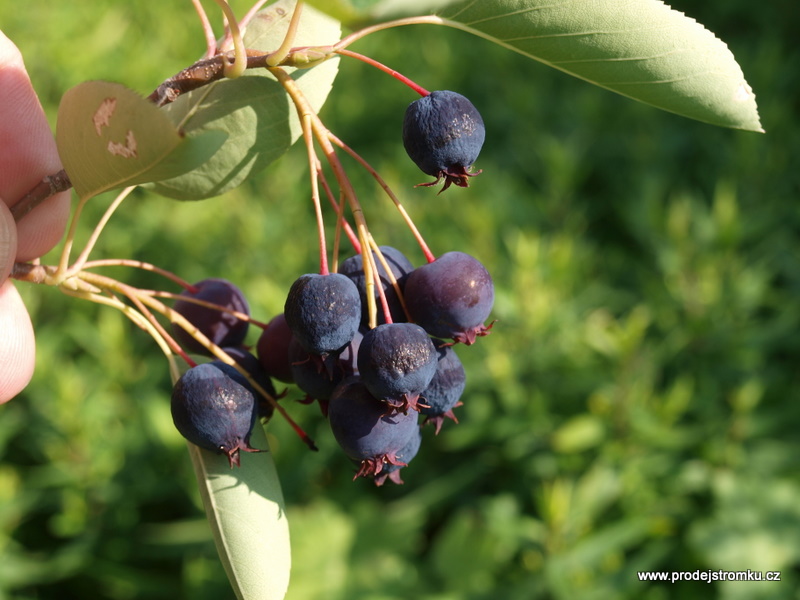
<point>634,408</point>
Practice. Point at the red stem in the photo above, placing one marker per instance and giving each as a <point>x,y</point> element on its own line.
<point>399,76</point>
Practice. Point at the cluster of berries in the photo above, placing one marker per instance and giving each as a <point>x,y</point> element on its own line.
<point>375,374</point>
<point>372,383</point>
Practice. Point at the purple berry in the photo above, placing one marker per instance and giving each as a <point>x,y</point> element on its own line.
<point>443,134</point>
<point>273,349</point>
<point>214,407</point>
<point>397,361</point>
<point>323,312</point>
<point>365,431</point>
<point>253,366</point>
<point>222,328</point>
<point>451,297</point>
<point>318,376</point>
<point>445,389</point>
<point>400,266</point>
<point>405,454</point>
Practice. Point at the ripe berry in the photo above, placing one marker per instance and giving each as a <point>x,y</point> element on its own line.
<point>405,454</point>
<point>397,361</point>
<point>214,407</point>
<point>323,312</point>
<point>445,389</point>
<point>443,134</point>
<point>273,349</point>
<point>222,328</point>
<point>451,297</point>
<point>251,364</point>
<point>364,430</point>
<point>400,266</point>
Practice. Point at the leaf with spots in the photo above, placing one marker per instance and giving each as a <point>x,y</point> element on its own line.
<point>108,137</point>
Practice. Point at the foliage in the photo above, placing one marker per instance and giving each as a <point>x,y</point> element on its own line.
<point>633,408</point>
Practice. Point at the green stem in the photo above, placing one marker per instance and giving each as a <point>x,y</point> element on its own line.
<point>361,33</point>
<point>84,255</point>
<point>277,57</point>
<point>235,69</point>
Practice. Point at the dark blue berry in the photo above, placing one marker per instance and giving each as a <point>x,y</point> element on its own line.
<point>215,408</point>
<point>400,266</point>
<point>254,368</point>
<point>323,312</point>
<point>451,297</point>
<point>397,361</point>
<point>273,349</point>
<point>444,392</point>
<point>443,134</point>
<point>365,431</point>
<point>222,328</point>
<point>404,455</point>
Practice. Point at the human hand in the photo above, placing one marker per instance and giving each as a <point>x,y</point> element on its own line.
<point>27,154</point>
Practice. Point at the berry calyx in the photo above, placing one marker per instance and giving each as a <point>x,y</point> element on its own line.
<point>444,392</point>
<point>364,430</point>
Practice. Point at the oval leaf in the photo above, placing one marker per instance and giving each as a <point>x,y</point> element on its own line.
<point>254,110</point>
<point>246,511</point>
<point>108,136</point>
<point>638,48</point>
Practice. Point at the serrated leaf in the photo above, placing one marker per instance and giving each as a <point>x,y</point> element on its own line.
<point>638,48</point>
<point>246,511</point>
<point>254,110</point>
<point>108,136</point>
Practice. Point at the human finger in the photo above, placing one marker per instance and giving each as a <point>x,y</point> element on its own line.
<point>16,343</point>
<point>27,154</point>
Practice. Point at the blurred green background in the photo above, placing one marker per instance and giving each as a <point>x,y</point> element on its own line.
<point>636,406</point>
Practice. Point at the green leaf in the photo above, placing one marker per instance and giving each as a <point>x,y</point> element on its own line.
<point>360,12</point>
<point>108,136</point>
<point>246,511</point>
<point>638,48</point>
<point>254,110</point>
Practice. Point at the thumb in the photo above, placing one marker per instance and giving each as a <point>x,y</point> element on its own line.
<point>8,241</point>
<point>16,343</point>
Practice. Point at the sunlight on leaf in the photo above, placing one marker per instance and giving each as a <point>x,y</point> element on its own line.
<point>641,49</point>
<point>254,110</point>
<point>246,511</point>
<point>108,137</point>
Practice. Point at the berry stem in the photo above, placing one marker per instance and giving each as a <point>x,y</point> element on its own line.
<point>239,64</point>
<point>396,74</point>
<point>409,222</point>
<point>208,31</point>
<point>361,33</point>
<point>63,262</point>
<point>391,276</point>
<point>336,206</point>
<point>239,315</point>
<point>136,317</point>
<point>308,136</point>
<point>277,57</point>
<point>124,262</point>
<point>144,301</point>
<point>324,137</point>
<point>387,314</point>
<point>84,255</point>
